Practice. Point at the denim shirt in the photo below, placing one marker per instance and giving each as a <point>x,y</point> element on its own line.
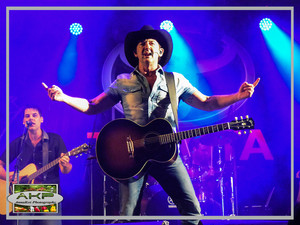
<point>140,104</point>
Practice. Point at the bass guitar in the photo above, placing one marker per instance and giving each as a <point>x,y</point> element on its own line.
<point>125,149</point>
<point>29,173</point>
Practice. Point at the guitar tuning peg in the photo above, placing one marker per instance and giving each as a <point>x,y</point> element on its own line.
<point>241,118</point>
<point>239,133</point>
<point>247,116</point>
<point>250,131</point>
<point>236,118</point>
<point>245,132</point>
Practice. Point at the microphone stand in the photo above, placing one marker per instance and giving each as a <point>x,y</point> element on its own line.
<point>19,159</point>
<point>221,178</point>
<point>91,186</point>
<point>90,158</point>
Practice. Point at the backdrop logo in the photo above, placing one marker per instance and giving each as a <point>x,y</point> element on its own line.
<point>35,198</point>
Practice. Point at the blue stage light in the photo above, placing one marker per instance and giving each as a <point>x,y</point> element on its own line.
<point>265,24</point>
<point>76,29</point>
<point>166,25</point>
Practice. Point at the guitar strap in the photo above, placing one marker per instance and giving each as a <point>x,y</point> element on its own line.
<point>45,151</point>
<point>172,94</point>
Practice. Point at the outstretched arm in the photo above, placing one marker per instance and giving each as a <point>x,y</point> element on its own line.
<point>97,105</point>
<point>210,103</point>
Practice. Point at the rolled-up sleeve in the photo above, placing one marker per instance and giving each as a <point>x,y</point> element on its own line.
<point>184,88</point>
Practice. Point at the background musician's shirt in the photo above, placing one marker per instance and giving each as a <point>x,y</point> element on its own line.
<point>31,154</point>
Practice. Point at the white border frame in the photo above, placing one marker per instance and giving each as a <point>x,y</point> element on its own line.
<point>291,9</point>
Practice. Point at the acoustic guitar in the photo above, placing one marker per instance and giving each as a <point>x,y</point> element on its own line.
<point>125,149</point>
<point>28,174</point>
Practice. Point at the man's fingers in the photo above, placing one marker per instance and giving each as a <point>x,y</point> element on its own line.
<point>45,85</point>
<point>248,88</point>
<point>256,82</point>
<point>52,94</point>
<point>64,158</point>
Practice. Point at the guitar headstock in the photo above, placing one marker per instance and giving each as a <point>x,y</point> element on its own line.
<point>242,124</point>
<point>82,148</point>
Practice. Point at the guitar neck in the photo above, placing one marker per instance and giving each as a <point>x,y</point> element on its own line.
<point>73,152</point>
<point>45,168</point>
<point>176,137</point>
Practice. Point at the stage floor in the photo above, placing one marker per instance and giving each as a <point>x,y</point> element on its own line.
<point>212,222</point>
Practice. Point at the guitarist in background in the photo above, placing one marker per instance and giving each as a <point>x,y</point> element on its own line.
<point>36,141</point>
<point>144,97</point>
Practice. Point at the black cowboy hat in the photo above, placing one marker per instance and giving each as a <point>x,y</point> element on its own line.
<point>147,31</point>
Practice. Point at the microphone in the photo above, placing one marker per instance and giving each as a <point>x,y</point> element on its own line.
<point>29,123</point>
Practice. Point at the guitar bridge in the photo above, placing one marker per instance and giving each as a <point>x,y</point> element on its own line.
<point>130,147</point>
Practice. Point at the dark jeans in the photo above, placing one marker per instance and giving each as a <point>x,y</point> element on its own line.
<point>174,179</point>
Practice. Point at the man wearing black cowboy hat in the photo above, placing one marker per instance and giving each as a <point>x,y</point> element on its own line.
<point>144,97</point>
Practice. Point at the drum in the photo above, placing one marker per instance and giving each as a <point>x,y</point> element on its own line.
<point>207,192</point>
<point>198,173</point>
<point>156,202</point>
<point>194,171</point>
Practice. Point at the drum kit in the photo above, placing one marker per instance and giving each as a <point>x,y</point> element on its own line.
<point>210,164</point>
